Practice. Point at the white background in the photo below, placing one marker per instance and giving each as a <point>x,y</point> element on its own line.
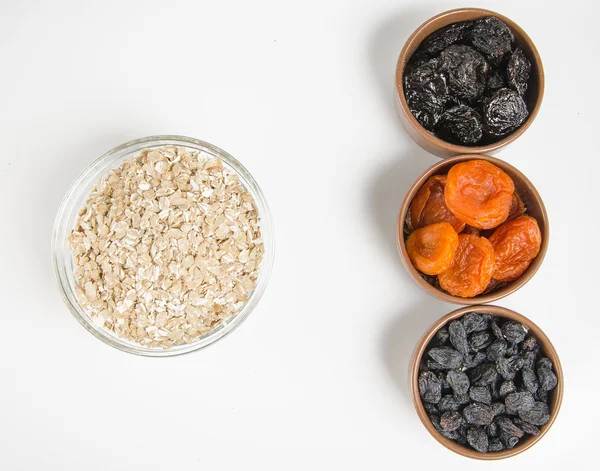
<point>300,92</point>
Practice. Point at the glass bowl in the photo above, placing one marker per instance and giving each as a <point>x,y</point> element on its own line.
<point>76,198</point>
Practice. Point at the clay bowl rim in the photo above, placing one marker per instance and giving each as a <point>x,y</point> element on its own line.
<point>411,46</point>
<point>547,348</point>
<point>505,290</point>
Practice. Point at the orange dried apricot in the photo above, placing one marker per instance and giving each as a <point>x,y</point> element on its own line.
<point>472,268</point>
<point>479,193</point>
<point>431,248</point>
<point>517,207</point>
<point>429,206</point>
<point>516,243</point>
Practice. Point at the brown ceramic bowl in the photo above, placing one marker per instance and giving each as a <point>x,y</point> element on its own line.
<point>423,137</point>
<point>533,203</point>
<point>554,400</point>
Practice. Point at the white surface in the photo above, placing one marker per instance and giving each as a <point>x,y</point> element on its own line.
<point>301,93</point>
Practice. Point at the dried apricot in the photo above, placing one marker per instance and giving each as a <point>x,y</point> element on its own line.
<point>517,207</point>
<point>516,243</point>
<point>429,206</point>
<point>479,193</point>
<point>472,268</point>
<point>431,248</point>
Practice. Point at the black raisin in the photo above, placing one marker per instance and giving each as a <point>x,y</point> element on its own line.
<point>526,427</point>
<point>441,336</point>
<point>478,414</point>
<point>519,402</point>
<point>460,125</point>
<point>492,38</point>
<point>530,380</point>
<point>458,337</point>
<point>481,394</point>
<point>506,368</point>
<point>480,340</point>
<point>443,381</point>
<point>478,439</point>
<point>449,403</point>
<point>430,387</point>
<point>475,360</point>
<point>506,388</point>
<point>448,357</point>
<point>496,330</point>
<point>466,71</point>
<point>545,363</point>
<point>514,332</point>
<point>504,112</point>
<point>517,71</point>
<point>509,440</point>
<point>508,427</point>
<point>548,380</point>
<point>483,375</point>
<point>450,421</point>
<point>474,322</point>
<point>529,344</point>
<point>492,430</point>
<point>498,408</point>
<point>458,381</point>
<point>430,408</point>
<point>496,350</point>
<point>495,444</point>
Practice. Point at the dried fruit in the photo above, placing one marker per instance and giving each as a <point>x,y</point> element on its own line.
<point>460,125</point>
<point>447,357</point>
<point>516,243</point>
<point>506,388</point>
<point>474,322</point>
<point>519,402</point>
<point>458,336</point>
<point>514,332</point>
<point>517,71</point>
<point>481,394</point>
<point>526,427</point>
<point>432,248</point>
<point>478,414</point>
<point>495,444</point>
<point>508,427</point>
<point>458,381</point>
<point>478,439</point>
<point>503,112</point>
<point>466,71</point>
<point>479,193</point>
<point>498,408</point>
<point>471,269</point>
<point>475,360</point>
<point>483,375</point>
<point>439,40</point>
<point>548,380</point>
<point>451,420</point>
<point>426,93</point>
<point>496,350</point>
<point>492,38</point>
<point>517,207</point>
<point>537,415</point>
<point>429,205</point>
<point>530,380</point>
<point>430,387</point>
<point>479,340</point>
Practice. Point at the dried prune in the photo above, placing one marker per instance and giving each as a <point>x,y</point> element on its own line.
<point>514,332</point>
<point>448,357</point>
<point>526,427</point>
<point>548,380</point>
<point>504,112</point>
<point>530,380</point>
<point>481,394</point>
<point>451,420</point>
<point>466,70</point>
<point>496,79</point>
<point>429,205</point>
<point>430,387</point>
<point>478,439</point>
<point>483,375</point>
<point>431,249</point>
<point>460,125</point>
<point>458,336</point>
<point>506,388</point>
<point>474,322</point>
<point>492,38</point>
<point>479,340</point>
<point>479,193</point>
<point>439,40</point>
<point>495,444</point>
<point>519,402</point>
<point>516,243</point>
<point>496,350</point>
<point>426,93</point>
<point>508,427</point>
<point>471,269</point>
<point>478,414</point>
<point>517,71</point>
<point>537,415</point>
<point>458,381</point>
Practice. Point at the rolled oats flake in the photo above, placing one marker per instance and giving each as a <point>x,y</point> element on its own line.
<point>167,246</point>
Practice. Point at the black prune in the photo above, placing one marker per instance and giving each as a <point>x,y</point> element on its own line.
<point>466,71</point>
<point>506,388</point>
<point>479,340</point>
<point>430,387</point>
<point>495,80</point>
<point>548,380</point>
<point>519,402</point>
<point>439,40</point>
<point>451,420</point>
<point>426,93</point>
<point>481,394</point>
<point>530,380</point>
<point>478,414</point>
<point>508,427</point>
<point>504,112</point>
<point>474,322</point>
<point>478,439</point>
<point>537,415</point>
<point>496,350</point>
<point>460,125</point>
<point>495,444</point>
<point>492,38</point>
<point>517,71</point>
<point>526,427</point>
<point>448,357</point>
<point>458,381</point>
<point>483,375</point>
<point>458,337</point>
<point>514,332</point>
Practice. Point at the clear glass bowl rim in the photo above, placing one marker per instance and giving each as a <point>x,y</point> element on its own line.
<point>72,203</point>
